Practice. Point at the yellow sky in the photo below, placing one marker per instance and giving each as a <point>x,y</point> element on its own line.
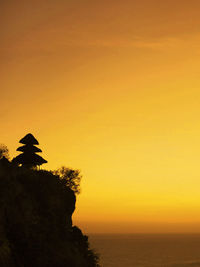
<point>112,88</point>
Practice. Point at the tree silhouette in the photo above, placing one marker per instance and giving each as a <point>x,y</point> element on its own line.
<point>70,178</point>
<point>28,157</point>
<point>4,151</point>
<point>4,156</point>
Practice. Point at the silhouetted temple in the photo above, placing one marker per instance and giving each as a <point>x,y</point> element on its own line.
<point>28,157</point>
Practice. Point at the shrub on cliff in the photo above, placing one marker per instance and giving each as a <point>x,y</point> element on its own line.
<point>4,151</point>
<point>70,178</point>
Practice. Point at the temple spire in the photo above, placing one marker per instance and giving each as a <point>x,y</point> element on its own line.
<point>28,157</point>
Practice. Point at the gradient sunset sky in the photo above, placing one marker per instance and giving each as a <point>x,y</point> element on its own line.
<point>112,88</point>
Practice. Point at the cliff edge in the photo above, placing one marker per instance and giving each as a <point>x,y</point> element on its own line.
<point>36,228</point>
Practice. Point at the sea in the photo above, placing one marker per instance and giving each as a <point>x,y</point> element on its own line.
<point>147,250</point>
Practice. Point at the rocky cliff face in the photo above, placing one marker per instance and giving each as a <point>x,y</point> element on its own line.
<point>35,222</point>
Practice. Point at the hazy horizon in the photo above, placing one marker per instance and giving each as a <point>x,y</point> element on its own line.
<point>139,228</point>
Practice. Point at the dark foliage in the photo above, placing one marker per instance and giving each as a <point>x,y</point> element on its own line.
<point>4,151</point>
<point>70,178</point>
<point>35,222</point>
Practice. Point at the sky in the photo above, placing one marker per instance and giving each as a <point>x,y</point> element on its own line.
<point>112,88</point>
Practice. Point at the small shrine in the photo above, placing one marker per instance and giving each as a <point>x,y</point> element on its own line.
<point>29,156</point>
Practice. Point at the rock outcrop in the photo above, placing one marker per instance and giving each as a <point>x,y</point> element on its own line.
<point>36,222</point>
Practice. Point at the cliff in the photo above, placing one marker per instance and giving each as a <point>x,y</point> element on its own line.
<point>36,222</point>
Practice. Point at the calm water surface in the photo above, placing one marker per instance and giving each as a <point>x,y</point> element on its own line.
<point>147,250</point>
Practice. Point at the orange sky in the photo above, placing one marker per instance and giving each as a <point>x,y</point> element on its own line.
<point>110,87</point>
